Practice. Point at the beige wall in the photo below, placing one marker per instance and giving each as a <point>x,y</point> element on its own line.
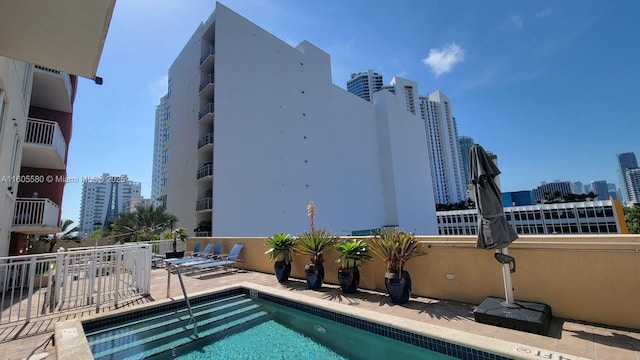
<point>589,278</point>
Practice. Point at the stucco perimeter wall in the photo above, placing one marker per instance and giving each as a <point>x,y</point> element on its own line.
<point>588,278</point>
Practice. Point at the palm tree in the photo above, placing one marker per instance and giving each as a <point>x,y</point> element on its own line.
<point>142,223</point>
<point>64,233</point>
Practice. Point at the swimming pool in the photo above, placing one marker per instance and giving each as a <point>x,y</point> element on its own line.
<point>241,314</point>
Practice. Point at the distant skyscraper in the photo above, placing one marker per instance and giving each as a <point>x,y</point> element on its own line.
<point>632,183</point>
<point>626,161</point>
<point>160,151</point>
<point>546,190</point>
<point>103,199</point>
<point>578,187</point>
<point>442,136</point>
<point>364,84</point>
<point>465,143</point>
<point>601,189</point>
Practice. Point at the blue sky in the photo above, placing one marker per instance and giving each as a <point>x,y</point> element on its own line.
<point>551,87</point>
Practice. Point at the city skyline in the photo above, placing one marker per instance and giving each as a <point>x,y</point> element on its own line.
<point>519,70</point>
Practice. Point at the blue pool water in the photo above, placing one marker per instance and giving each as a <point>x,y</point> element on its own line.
<point>237,326</point>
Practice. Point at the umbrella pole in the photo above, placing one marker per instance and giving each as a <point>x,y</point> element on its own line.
<point>506,275</point>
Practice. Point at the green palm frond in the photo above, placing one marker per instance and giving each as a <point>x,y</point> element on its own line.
<point>352,253</point>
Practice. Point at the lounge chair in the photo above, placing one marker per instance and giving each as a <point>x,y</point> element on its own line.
<point>217,255</point>
<point>196,249</point>
<point>223,262</point>
<point>201,256</point>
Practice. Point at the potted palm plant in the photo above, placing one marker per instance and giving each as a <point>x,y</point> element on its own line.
<point>314,243</point>
<point>280,254</point>
<point>352,253</point>
<point>396,247</point>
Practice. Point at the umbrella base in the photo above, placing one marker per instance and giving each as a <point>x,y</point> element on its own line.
<point>525,316</point>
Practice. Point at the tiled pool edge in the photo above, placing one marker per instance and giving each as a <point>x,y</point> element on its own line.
<point>459,343</point>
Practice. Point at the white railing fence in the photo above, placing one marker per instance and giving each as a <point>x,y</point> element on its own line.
<point>36,211</point>
<point>44,284</point>
<point>46,132</point>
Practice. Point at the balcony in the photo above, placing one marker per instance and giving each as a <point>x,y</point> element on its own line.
<point>206,59</point>
<point>206,87</point>
<point>44,145</point>
<point>205,171</point>
<point>51,89</point>
<point>206,140</point>
<point>205,115</point>
<point>204,204</point>
<point>35,216</point>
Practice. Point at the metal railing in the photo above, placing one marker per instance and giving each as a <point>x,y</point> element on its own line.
<point>204,204</point>
<point>206,81</point>
<point>206,170</point>
<point>161,247</point>
<point>206,53</point>
<point>205,140</point>
<point>44,284</point>
<point>45,132</point>
<point>36,212</point>
<point>202,234</point>
<point>205,110</point>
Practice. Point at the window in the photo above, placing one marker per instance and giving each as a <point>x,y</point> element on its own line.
<point>165,156</point>
<point>167,132</point>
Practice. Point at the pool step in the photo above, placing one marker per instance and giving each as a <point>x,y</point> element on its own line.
<point>179,314</point>
<point>161,333</point>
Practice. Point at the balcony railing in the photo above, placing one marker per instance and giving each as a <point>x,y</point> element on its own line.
<point>205,110</point>
<point>46,133</point>
<point>202,233</point>
<point>206,81</point>
<point>205,170</point>
<point>206,53</point>
<point>36,215</point>
<point>204,204</point>
<point>205,140</point>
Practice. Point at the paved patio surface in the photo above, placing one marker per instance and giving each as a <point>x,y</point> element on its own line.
<point>33,340</point>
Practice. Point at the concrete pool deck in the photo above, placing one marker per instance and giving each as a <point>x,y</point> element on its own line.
<point>567,340</point>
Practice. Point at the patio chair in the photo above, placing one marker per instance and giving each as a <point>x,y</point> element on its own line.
<point>223,262</point>
<point>196,249</point>
<point>217,255</point>
<point>201,256</point>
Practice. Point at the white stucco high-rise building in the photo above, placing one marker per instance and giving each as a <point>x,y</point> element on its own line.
<point>447,170</point>
<point>365,84</point>
<point>258,130</point>
<point>160,151</point>
<point>103,199</point>
<point>449,185</point>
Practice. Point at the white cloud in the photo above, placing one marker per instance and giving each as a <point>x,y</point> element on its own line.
<point>441,61</point>
<point>544,13</point>
<point>516,21</point>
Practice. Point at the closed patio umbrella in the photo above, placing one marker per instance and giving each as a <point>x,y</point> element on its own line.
<point>495,233</point>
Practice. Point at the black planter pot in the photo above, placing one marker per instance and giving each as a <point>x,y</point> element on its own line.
<point>282,270</point>
<point>349,279</point>
<point>398,287</point>
<point>174,255</point>
<point>314,275</point>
